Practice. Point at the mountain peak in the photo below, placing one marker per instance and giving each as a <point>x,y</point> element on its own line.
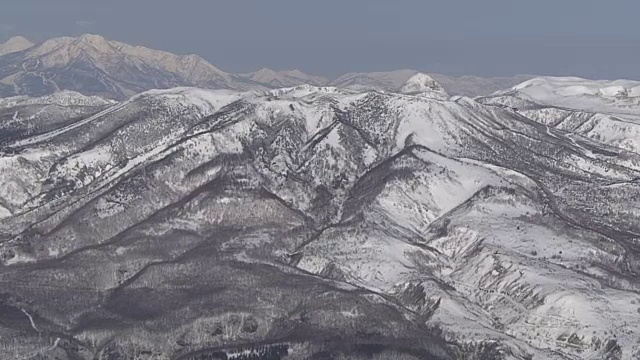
<point>96,42</point>
<point>15,44</point>
<point>19,40</point>
<point>265,70</point>
<point>423,84</point>
<point>264,75</point>
<point>91,38</point>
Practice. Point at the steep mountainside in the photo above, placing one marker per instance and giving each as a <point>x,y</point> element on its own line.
<point>313,223</point>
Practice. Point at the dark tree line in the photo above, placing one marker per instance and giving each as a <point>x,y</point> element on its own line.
<point>263,352</point>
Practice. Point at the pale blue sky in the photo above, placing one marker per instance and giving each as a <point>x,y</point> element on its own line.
<point>595,39</point>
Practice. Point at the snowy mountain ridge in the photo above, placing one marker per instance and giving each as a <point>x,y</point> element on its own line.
<point>93,65</point>
<point>425,227</point>
<point>577,93</point>
<point>606,111</point>
<point>287,78</point>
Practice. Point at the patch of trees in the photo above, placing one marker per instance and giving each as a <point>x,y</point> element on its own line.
<point>273,352</point>
<point>261,352</point>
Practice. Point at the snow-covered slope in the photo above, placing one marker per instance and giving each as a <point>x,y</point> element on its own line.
<point>122,70</point>
<point>287,78</point>
<point>189,222</point>
<point>607,111</point>
<point>620,96</point>
<point>423,85</point>
<point>23,116</point>
<point>393,81</point>
<point>472,86</point>
<point>61,98</point>
<point>15,44</point>
<point>387,81</point>
<point>93,65</point>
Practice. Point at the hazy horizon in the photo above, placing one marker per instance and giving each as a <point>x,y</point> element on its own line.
<point>494,38</point>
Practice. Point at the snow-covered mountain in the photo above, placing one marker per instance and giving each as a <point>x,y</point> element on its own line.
<point>409,82</point>
<point>576,93</point>
<point>607,111</point>
<point>15,44</point>
<point>282,79</point>
<point>469,86</point>
<point>93,65</point>
<point>472,86</point>
<point>315,222</point>
<point>423,85</point>
<point>380,81</point>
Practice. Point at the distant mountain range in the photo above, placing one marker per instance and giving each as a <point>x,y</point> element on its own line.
<point>93,65</point>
